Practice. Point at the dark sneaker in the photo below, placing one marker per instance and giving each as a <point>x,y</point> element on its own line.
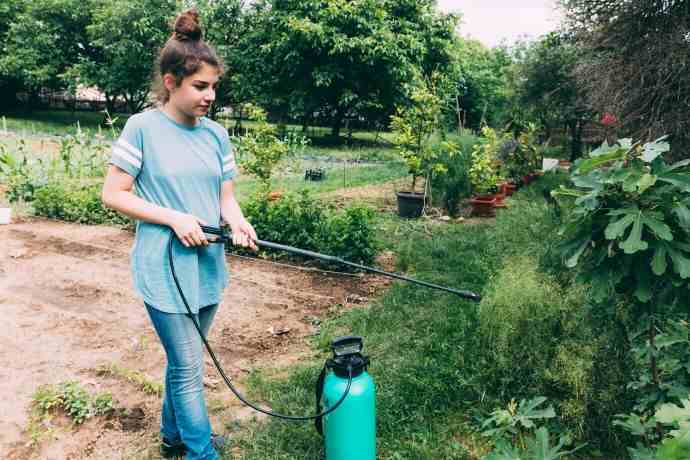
<point>172,449</point>
<point>178,449</point>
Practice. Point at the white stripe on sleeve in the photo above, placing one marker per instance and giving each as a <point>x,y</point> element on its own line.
<point>126,156</point>
<point>228,165</point>
<point>135,152</point>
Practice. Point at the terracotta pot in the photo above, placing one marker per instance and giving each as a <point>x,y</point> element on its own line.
<point>484,206</point>
<point>273,196</point>
<point>508,189</point>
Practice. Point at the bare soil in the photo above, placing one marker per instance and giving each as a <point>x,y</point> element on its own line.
<point>69,307</point>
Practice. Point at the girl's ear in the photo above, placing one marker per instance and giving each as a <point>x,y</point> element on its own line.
<point>169,82</point>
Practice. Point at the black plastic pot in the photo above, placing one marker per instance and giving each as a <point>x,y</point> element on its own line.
<point>410,204</point>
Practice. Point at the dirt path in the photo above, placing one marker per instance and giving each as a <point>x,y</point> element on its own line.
<point>68,307</point>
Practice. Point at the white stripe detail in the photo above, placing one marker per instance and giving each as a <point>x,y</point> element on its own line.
<point>228,163</point>
<point>125,155</point>
<point>130,148</point>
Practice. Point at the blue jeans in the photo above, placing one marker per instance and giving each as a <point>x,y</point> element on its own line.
<point>184,416</point>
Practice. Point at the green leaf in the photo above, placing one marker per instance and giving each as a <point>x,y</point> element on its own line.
<point>646,181</point>
<point>631,183</point>
<point>675,448</point>
<point>678,165</point>
<point>641,453</point>
<point>631,423</point>
<point>669,414</point>
<point>617,229</point>
<point>597,161</point>
<point>681,264</point>
<point>681,180</point>
<point>571,261</point>
<point>683,214</point>
<point>659,264</point>
<point>634,242</point>
<point>658,227</point>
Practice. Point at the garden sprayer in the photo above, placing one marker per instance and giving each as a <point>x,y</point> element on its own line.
<point>343,384</point>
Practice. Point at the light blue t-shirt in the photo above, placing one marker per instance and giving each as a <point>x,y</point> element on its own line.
<point>182,168</point>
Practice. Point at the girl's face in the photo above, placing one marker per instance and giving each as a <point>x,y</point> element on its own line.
<point>195,94</point>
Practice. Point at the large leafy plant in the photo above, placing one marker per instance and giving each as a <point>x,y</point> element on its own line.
<point>630,224</point>
<point>512,428</point>
<point>628,232</point>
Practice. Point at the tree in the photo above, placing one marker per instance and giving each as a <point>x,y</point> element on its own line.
<point>44,40</point>
<point>125,37</point>
<point>483,88</point>
<point>224,24</point>
<point>634,63</point>
<point>548,89</point>
<point>10,83</point>
<point>340,60</point>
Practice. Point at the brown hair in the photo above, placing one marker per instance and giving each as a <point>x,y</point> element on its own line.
<point>183,53</point>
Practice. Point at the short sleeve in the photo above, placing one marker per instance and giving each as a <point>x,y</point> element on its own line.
<point>127,151</point>
<point>229,165</point>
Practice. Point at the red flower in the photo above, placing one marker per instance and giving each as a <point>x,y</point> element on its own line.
<point>608,119</point>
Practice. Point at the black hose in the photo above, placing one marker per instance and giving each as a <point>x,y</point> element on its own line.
<point>220,368</point>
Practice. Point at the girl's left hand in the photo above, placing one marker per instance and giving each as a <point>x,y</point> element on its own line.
<point>243,234</point>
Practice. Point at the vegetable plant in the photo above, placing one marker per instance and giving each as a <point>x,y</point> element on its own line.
<point>484,173</point>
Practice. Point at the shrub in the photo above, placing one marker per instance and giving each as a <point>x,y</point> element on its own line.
<point>76,203</point>
<point>484,173</point>
<point>537,338</point>
<point>300,220</point>
<point>455,184</point>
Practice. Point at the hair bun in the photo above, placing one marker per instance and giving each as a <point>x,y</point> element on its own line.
<point>187,26</point>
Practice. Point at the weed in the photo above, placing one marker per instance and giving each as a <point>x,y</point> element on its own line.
<point>141,380</point>
<point>70,398</point>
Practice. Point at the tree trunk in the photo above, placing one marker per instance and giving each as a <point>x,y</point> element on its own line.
<point>575,139</point>
<point>458,111</point>
<point>337,124</point>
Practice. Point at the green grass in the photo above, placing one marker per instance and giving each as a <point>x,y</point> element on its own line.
<point>421,342</point>
<point>56,122</point>
<point>339,176</point>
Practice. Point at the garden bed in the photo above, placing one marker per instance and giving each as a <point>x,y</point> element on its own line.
<point>69,307</point>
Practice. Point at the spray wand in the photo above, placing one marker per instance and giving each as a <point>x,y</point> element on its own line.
<point>225,236</point>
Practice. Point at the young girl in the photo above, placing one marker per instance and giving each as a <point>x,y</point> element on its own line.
<point>182,164</point>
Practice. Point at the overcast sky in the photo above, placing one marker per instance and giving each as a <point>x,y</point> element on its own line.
<point>491,21</point>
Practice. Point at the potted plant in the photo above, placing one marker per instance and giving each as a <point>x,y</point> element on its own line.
<point>512,164</point>
<point>484,177</point>
<point>530,153</point>
<point>413,127</point>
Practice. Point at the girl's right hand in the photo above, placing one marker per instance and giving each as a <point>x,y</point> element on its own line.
<point>188,230</point>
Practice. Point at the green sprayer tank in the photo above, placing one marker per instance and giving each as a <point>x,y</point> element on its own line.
<point>350,430</point>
